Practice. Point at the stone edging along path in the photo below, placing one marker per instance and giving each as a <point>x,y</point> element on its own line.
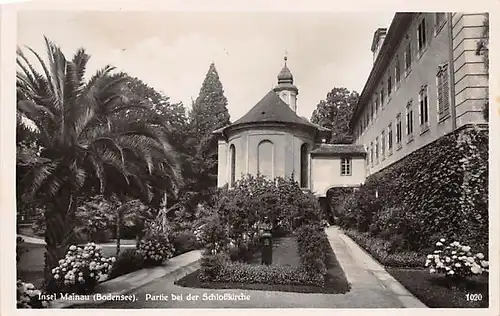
<point>371,265</point>
<point>127,283</point>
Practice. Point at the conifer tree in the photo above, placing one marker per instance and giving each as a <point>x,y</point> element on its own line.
<point>210,108</point>
<point>208,114</point>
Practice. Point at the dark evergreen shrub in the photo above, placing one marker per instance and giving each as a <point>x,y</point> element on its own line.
<point>128,261</point>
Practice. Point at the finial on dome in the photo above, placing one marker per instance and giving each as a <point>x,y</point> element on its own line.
<point>286,56</point>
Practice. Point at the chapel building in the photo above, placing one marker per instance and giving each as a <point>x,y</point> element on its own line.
<point>273,141</point>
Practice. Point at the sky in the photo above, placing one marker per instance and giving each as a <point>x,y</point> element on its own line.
<point>172,51</point>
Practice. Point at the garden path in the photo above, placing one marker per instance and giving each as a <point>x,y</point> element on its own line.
<point>370,288</point>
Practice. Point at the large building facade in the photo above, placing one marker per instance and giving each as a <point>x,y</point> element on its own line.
<point>426,82</point>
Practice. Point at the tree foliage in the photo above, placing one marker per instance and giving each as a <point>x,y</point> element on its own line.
<point>335,113</point>
<point>483,49</point>
<point>173,115</point>
<point>209,113</point>
<point>92,139</point>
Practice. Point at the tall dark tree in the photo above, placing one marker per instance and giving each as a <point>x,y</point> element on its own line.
<point>208,114</point>
<point>210,108</point>
<point>173,115</point>
<point>483,49</point>
<point>92,140</point>
<point>335,113</point>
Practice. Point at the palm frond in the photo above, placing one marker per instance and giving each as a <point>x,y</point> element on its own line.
<point>80,59</point>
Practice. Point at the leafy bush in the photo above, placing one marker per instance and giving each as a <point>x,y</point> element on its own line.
<point>29,297</point>
<point>336,197</point>
<point>379,248</point>
<point>311,241</point>
<point>243,206</point>
<point>81,269</point>
<point>155,249</point>
<point>183,241</point>
<point>438,190</point>
<point>456,260</point>
<point>128,261</point>
<point>213,236</point>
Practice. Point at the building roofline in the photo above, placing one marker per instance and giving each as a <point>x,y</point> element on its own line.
<point>395,33</point>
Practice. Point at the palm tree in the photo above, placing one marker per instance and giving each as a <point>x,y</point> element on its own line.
<point>92,141</point>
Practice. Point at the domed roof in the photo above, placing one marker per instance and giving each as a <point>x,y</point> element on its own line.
<point>285,75</point>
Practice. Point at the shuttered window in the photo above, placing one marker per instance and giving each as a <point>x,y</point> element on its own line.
<point>443,91</point>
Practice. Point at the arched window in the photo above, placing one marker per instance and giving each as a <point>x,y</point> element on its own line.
<point>304,166</point>
<point>232,150</point>
<point>265,163</point>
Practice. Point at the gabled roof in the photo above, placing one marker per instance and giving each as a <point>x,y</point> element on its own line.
<point>338,149</point>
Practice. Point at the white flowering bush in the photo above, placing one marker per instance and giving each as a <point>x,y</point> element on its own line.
<point>456,261</point>
<point>81,269</point>
<point>155,249</point>
<point>29,297</point>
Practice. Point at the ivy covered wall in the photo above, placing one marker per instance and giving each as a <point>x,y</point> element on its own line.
<point>440,190</point>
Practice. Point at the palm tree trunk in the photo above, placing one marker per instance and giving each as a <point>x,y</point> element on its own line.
<point>118,232</point>
<point>59,230</point>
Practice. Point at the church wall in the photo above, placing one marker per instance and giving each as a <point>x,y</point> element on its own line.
<point>326,173</point>
<point>281,146</point>
<point>240,147</point>
<point>286,145</point>
<point>222,163</point>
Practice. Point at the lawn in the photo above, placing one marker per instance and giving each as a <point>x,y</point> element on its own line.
<point>31,263</point>
<point>284,252</point>
<point>434,292</point>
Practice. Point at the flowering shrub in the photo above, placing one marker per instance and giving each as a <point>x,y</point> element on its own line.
<point>155,249</point>
<point>456,260</point>
<point>29,297</point>
<point>81,269</point>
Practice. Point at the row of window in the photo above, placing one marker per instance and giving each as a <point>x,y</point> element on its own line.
<point>393,81</point>
<point>383,145</point>
<point>264,164</point>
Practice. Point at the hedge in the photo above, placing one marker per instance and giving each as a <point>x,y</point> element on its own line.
<point>312,242</point>
<point>438,191</point>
